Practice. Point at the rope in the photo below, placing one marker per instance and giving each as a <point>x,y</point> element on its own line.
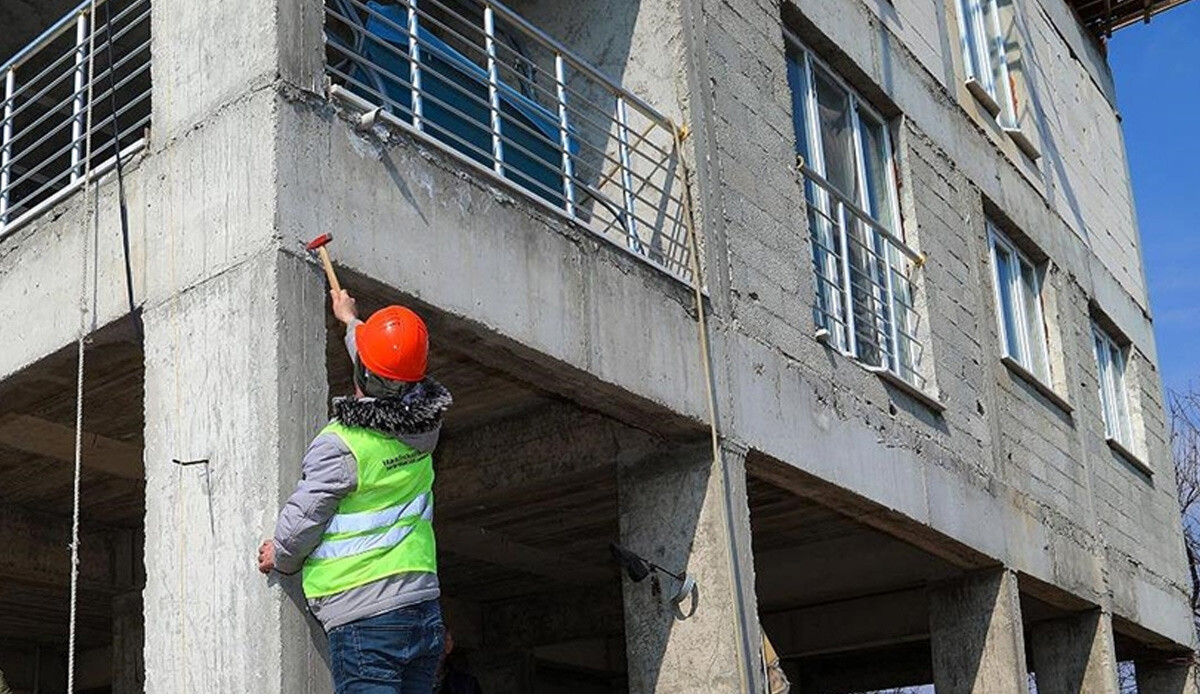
<point>746,677</point>
<point>83,333</point>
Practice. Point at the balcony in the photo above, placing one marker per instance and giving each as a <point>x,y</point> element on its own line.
<point>50,106</point>
<point>864,296</point>
<point>477,80</point>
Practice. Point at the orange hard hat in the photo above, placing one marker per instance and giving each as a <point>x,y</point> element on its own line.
<point>393,344</point>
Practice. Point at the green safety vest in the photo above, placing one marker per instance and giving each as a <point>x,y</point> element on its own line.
<point>382,528</point>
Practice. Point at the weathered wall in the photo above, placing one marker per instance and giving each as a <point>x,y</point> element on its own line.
<point>1004,469</point>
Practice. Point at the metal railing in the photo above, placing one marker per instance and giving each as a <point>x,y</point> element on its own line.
<point>43,139</point>
<point>864,297</point>
<point>479,80</point>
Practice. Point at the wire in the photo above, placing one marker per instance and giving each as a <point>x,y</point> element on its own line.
<point>83,333</point>
<point>134,314</point>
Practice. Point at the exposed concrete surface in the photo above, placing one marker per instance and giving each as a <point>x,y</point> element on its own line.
<point>673,514</point>
<point>1074,655</point>
<point>1167,679</point>
<point>235,375</point>
<point>977,639</point>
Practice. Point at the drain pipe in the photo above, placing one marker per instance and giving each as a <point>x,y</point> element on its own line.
<point>742,620</point>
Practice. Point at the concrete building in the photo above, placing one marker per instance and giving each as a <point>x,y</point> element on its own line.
<point>918,436</point>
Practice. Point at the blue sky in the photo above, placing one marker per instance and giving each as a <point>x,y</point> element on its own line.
<point>1157,72</point>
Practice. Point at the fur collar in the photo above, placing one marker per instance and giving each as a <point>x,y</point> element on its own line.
<point>416,412</point>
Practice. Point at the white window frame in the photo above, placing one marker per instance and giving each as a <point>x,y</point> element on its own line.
<point>899,361</point>
<point>1028,346</point>
<point>1111,372</point>
<point>985,58</point>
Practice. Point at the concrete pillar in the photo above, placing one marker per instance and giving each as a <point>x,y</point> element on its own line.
<point>1074,655</point>
<point>685,512</point>
<point>235,375</point>
<point>976,635</point>
<point>129,636</point>
<point>1168,678</point>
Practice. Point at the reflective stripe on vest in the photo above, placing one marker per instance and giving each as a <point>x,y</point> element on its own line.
<point>382,528</point>
<point>420,507</point>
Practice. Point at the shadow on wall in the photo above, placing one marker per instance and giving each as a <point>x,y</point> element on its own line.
<point>1027,64</point>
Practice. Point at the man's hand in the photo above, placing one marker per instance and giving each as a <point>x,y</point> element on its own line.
<point>266,554</point>
<point>344,308</point>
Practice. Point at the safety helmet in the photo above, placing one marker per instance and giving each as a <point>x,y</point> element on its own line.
<point>393,344</point>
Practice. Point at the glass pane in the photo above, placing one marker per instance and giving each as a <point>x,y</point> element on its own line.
<point>798,81</point>
<point>997,53</point>
<point>1120,396</point>
<point>1006,272</point>
<point>878,198</point>
<point>1035,328</point>
<point>975,52</point>
<point>1103,371</point>
<point>837,143</point>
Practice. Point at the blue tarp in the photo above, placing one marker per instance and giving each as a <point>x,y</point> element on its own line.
<point>455,108</point>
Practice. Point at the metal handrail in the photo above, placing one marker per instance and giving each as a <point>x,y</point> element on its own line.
<point>44,107</point>
<point>612,166</point>
<point>865,217</point>
<point>863,286</point>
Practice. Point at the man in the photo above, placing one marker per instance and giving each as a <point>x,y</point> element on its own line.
<point>450,678</point>
<point>359,524</point>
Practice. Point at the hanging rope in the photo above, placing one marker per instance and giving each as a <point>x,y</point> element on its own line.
<point>91,216</point>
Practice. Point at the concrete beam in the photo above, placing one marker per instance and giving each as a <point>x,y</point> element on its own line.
<point>52,440</point>
<point>977,638</point>
<point>850,625</point>
<point>1075,655</point>
<point>1180,676</point>
<point>497,548</point>
<point>36,551</point>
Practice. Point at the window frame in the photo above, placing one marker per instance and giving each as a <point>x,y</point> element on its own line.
<point>998,242</point>
<point>981,36</point>
<point>1113,387</point>
<point>897,359</point>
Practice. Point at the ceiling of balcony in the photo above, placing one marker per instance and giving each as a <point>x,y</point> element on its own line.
<point>1103,17</point>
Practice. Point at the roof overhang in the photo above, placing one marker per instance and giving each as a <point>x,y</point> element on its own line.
<point>1103,17</point>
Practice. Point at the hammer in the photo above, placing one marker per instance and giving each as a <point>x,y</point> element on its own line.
<point>318,245</point>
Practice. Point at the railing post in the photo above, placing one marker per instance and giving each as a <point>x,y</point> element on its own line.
<point>893,329</point>
<point>80,102</point>
<point>414,59</point>
<point>10,84</point>
<point>564,134</point>
<point>847,290</point>
<point>635,243</point>
<point>489,30</point>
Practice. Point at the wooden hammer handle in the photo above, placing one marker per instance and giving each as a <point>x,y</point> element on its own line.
<point>333,280</point>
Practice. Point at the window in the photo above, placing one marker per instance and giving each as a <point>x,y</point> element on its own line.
<point>1019,306</point>
<point>1114,401</point>
<point>863,297</point>
<point>986,57</point>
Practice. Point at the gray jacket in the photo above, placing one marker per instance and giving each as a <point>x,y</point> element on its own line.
<point>330,472</point>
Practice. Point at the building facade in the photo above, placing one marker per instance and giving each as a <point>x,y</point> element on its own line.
<point>836,305</point>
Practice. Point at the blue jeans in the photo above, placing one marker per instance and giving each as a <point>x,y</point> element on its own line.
<point>396,652</point>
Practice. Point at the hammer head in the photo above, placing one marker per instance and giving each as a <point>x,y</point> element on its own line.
<point>318,242</point>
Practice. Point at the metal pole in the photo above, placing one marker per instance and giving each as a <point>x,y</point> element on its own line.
<point>489,30</point>
<point>414,60</point>
<point>10,83</point>
<point>627,175</point>
<point>847,292</point>
<point>78,109</point>
<point>894,357</point>
<point>564,134</point>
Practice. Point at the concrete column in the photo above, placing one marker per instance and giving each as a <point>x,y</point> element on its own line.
<point>976,635</point>
<point>1074,655</point>
<point>685,512</point>
<point>1168,678</point>
<point>235,375</point>
<point>129,636</point>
